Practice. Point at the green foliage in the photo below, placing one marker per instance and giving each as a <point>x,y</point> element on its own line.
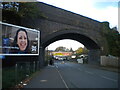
<point>12,6</point>
<point>12,76</point>
<point>10,17</point>
<point>30,10</point>
<point>14,12</point>
<point>61,48</point>
<point>81,50</point>
<point>9,12</point>
<point>8,77</point>
<point>113,40</point>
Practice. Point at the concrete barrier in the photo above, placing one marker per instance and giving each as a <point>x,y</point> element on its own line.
<point>109,61</point>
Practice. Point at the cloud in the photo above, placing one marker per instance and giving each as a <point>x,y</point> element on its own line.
<point>70,43</point>
<point>87,8</point>
<point>109,14</point>
<point>105,0</point>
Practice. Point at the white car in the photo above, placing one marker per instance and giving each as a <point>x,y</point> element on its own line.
<point>80,60</point>
<point>83,59</point>
<point>60,58</point>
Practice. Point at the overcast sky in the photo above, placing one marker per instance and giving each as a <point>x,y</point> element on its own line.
<point>100,10</point>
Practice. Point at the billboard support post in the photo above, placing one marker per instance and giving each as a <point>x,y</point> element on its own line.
<point>41,57</point>
<point>16,73</point>
<point>34,66</point>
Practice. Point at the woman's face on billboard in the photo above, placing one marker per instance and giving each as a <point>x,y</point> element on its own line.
<point>22,40</point>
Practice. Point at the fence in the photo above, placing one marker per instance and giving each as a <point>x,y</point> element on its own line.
<point>12,76</point>
<point>109,61</point>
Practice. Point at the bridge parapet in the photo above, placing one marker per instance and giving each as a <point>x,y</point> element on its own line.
<point>66,17</point>
<point>61,24</point>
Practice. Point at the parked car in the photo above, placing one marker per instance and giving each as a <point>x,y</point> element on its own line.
<point>80,60</point>
<point>60,58</point>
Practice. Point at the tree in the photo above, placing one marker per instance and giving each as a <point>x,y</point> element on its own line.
<point>114,28</point>
<point>85,50</point>
<point>30,9</point>
<point>10,12</point>
<point>71,50</point>
<point>79,51</point>
<point>113,39</point>
<point>13,6</point>
<point>14,12</point>
<point>61,48</point>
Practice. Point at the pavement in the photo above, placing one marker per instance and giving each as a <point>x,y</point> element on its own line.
<point>48,77</point>
<point>72,75</point>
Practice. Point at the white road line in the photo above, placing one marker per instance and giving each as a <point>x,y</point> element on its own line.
<point>109,78</point>
<point>63,79</point>
<point>89,72</point>
<point>56,66</point>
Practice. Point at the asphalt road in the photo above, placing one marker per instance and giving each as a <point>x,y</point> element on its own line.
<point>72,75</point>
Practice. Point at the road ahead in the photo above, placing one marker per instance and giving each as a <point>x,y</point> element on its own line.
<point>73,75</point>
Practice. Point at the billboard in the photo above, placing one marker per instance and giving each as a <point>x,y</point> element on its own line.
<point>18,40</point>
<point>62,53</point>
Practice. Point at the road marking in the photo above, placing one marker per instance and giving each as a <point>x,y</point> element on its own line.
<point>24,84</point>
<point>56,66</point>
<point>62,79</point>
<point>43,80</point>
<point>109,78</point>
<point>88,72</point>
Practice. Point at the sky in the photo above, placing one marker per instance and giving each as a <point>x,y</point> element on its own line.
<point>66,43</point>
<point>100,10</point>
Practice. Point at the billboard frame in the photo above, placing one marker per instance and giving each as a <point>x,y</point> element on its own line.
<point>30,29</point>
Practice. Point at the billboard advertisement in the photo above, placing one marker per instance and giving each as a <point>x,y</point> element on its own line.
<point>18,40</point>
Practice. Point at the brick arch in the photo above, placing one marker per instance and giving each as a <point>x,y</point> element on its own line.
<point>60,24</point>
<point>70,34</point>
<point>94,48</point>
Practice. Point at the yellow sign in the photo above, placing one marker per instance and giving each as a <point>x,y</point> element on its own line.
<point>58,54</point>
